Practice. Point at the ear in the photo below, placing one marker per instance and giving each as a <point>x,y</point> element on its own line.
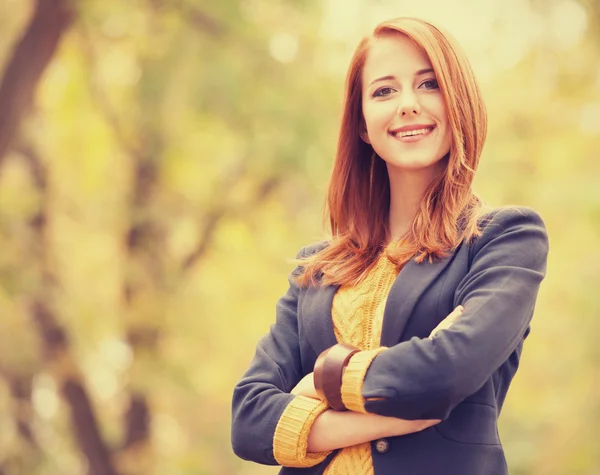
<point>364,135</point>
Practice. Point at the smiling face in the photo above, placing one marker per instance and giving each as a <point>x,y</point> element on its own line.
<point>404,112</point>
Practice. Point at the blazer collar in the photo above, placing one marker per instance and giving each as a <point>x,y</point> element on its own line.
<point>316,316</point>
<point>409,286</point>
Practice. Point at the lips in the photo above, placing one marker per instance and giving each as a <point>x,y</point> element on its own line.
<point>412,130</point>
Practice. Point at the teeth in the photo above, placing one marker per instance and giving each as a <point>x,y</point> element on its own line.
<point>408,133</point>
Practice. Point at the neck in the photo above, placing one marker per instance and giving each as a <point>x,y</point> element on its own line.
<point>407,188</point>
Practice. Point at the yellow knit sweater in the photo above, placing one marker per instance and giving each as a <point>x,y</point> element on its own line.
<point>357,314</point>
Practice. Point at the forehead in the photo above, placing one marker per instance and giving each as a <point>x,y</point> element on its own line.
<point>393,54</point>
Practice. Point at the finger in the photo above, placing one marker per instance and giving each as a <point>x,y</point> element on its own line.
<point>453,316</point>
<point>429,422</point>
<point>457,312</point>
<point>448,321</point>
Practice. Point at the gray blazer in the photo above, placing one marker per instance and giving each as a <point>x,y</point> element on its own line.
<point>461,376</point>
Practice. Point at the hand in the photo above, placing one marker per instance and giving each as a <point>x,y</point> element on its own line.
<point>448,321</point>
<point>403,427</point>
<point>306,387</point>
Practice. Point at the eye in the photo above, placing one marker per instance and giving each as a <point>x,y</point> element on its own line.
<point>430,84</point>
<point>383,92</point>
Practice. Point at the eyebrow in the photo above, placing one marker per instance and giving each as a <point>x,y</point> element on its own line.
<point>420,72</point>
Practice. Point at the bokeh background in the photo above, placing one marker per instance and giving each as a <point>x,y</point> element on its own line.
<point>161,161</point>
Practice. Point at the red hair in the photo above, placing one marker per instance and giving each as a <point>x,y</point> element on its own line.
<point>358,199</point>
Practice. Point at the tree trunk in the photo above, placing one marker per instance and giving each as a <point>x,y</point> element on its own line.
<point>54,337</point>
<point>29,59</point>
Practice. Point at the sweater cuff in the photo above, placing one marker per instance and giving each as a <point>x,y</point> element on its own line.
<point>354,377</point>
<point>290,442</point>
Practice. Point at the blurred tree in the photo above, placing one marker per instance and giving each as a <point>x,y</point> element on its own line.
<point>236,181</point>
<point>31,56</point>
<point>159,167</point>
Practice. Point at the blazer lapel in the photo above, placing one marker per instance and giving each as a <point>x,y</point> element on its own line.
<point>411,283</point>
<point>316,317</point>
<point>409,286</point>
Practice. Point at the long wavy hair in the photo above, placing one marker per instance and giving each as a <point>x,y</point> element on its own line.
<point>358,199</point>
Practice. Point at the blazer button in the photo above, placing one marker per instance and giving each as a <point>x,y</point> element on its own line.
<point>382,446</point>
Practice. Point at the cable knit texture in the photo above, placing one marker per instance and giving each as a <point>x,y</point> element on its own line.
<point>291,434</point>
<point>354,377</point>
<point>357,314</point>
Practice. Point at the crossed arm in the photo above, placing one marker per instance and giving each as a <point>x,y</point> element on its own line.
<point>334,430</point>
<point>507,264</point>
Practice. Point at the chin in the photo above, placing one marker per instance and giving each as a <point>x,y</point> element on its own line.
<point>415,163</point>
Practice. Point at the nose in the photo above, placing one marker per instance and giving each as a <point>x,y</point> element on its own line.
<point>409,104</point>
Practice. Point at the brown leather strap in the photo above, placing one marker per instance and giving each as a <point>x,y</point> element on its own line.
<point>328,371</point>
<point>318,375</point>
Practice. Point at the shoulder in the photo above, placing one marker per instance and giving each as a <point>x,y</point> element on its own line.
<point>498,220</point>
<point>304,254</point>
<point>311,249</point>
<point>514,226</point>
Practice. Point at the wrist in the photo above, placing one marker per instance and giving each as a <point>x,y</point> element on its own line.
<point>328,371</point>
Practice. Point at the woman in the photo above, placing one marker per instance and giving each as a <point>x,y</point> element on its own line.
<point>413,315</point>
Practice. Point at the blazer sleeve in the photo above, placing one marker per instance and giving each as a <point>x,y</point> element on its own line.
<point>269,425</point>
<point>427,378</point>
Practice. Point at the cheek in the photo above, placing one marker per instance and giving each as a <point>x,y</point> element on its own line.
<point>442,114</point>
<point>447,138</point>
<point>434,105</point>
<point>438,110</point>
<point>446,123</point>
<point>377,118</point>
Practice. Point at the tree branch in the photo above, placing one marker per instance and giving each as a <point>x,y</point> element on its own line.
<point>195,17</point>
<point>25,67</point>
<point>20,387</point>
<point>55,340</point>
<point>211,221</point>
